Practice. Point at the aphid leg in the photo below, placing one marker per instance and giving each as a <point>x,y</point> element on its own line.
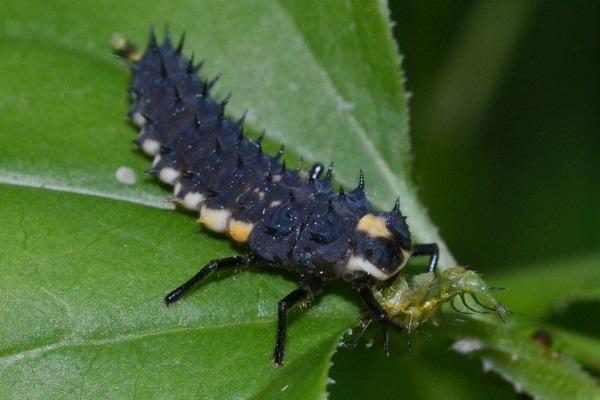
<point>365,326</point>
<point>386,340</point>
<point>310,286</point>
<point>428,249</point>
<point>214,265</point>
<point>366,293</point>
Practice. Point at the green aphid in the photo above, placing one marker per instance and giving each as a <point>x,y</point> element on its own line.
<point>410,301</point>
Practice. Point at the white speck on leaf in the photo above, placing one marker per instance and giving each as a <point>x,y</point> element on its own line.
<point>126,175</point>
<point>467,345</point>
<point>343,105</point>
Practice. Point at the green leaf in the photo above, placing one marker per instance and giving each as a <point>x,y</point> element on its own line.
<point>584,348</point>
<point>429,371</point>
<point>509,350</point>
<point>536,290</point>
<point>82,316</point>
<point>84,270</point>
<point>531,367</point>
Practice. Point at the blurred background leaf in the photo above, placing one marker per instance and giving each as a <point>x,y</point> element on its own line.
<point>504,127</point>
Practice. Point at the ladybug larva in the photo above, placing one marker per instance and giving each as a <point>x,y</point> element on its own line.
<point>283,219</point>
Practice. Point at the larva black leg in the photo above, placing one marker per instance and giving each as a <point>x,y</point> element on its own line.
<point>310,287</point>
<point>378,312</point>
<point>366,294</point>
<point>428,249</point>
<point>214,265</point>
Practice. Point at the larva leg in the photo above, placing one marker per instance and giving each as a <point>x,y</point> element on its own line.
<point>214,265</point>
<point>366,294</point>
<point>310,286</point>
<point>428,249</point>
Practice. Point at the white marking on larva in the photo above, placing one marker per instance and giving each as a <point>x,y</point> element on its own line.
<point>138,119</point>
<point>357,263</point>
<point>467,345</point>
<point>192,200</point>
<point>276,178</point>
<point>150,147</point>
<point>126,175</point>
<point>217,220</point>
<point>156,160</point>
<point>275,203</point>
<point>177,188</point>
<point>261,195</point>
<point>283,389</point>
<point>168,175</point>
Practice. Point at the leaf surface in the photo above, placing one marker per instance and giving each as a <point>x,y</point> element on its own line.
<point>84,270</point>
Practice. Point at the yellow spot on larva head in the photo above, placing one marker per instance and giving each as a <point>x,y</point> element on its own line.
<point>216,220</point>
<point>240,231</point>
<point>374,226</point>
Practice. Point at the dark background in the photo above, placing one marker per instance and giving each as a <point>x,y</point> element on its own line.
<point>505,123</point>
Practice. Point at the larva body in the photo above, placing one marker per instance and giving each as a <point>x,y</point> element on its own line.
<point>282,218</point>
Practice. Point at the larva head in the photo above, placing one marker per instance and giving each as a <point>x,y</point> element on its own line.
<point>382,246</point>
